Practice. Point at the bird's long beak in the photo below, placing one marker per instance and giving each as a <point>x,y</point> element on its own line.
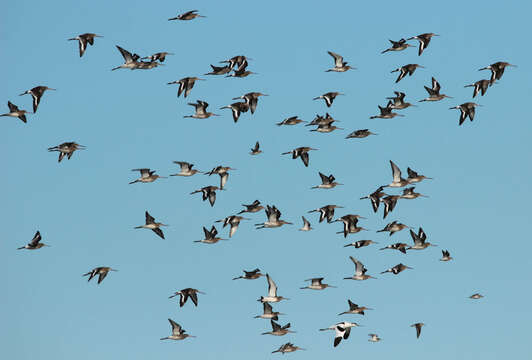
<point>51,89</point>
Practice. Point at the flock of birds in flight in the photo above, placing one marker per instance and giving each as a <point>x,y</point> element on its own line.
<point>237,67</point>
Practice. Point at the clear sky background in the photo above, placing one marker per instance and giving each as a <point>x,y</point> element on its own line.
<point>478,207</point>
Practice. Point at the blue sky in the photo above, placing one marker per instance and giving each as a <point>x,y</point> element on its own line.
<point>86,211</point>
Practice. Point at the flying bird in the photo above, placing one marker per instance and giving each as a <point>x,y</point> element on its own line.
<point>424,40</point>
<point>34,243</point>
<point>256,149</point>
<point>354,309</point>
<point>268,313</point>
<point>238,61</point>
<point>327,182</point>
<point>419,239</point>
<point>397,269</point>
<point>66,149</point>
<point>186,169</point>
<point>237,109</point>
<point>14,111</point>
<point>409,193</point>
<point>414,177</point>
<point>287,348</point>
<point>207,192</point>
<point>374,338</point>
<point>418,327</point>
<point>200,110</point>
<point>360,134</point>
<point>146,176</point>
<point>397,246</point>
<point>398,180</point>
<point>130,60</point>
<point>278,330</point>
<point>328,97</point>
<point>466,110</point>
<point>185,85</point>
<point>476,296</point>
<point>152,225</point>
<point>223,172</point>
<point>375,198</point>
<point>479,86</point>
<point>189,15</point>
<point>219,70</point>
<point>254,207</point>
<point>434,92</point>
<point>397,46</point>
<point>361,243</point>
<point>293,120</point>
<point>251,100</point>
<point>341,331</point>
<point>446,256</point>
<point>408,69</point>
<point>393,227</point>
<point>83,39</point>
<point>389,202</point>
<point>160,56</point>
<point>386,112</point>
<point>184,294</point>
<point>210,236</point>
<point>36,93</point>
<point>272,292</point>
<point>350,224</point>
<point>101,271</point>
<point>301,152</point>
<point>316,284</point>
<point>326,212</point>
<point>178,333</point>
<point>360,271</point>
<point>306,225</point>
<point>339,64</point>
<point>273,214</point>
<point>497,70</point>
<point>399,101</point>
<point>233,221</point>
<point>250,275</point>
